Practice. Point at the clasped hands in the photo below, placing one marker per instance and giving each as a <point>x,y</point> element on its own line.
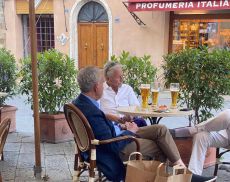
<point>128,124</point>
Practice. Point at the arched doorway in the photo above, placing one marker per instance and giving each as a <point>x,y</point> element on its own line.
<point>93,34</point>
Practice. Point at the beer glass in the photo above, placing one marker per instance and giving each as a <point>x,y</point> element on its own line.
<point>145,89</point>
<point>155,88</point>
<point>174,89</point>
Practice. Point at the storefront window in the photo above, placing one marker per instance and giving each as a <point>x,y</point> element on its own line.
<point>194,33</point>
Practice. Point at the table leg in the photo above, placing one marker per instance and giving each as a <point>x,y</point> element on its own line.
<point>154,120</point>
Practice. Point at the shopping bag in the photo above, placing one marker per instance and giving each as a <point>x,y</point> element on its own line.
<point>179,174</point>
<point>141,170</point>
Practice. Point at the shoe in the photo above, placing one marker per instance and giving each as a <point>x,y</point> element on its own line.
<point>183,132</point>
<point>198,178</point>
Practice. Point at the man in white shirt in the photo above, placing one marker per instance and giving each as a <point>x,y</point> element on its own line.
<point>214,132</point>
<point>117,94</point>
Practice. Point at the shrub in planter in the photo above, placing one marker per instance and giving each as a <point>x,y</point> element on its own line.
<point>203,76</point>
<point>8,76</point>
<point>56,86</point>
<point>137,70</point>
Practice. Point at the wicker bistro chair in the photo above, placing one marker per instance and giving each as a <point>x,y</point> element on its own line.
<point>4,130</point>
<point>218,156</point>
<point>85,141</point>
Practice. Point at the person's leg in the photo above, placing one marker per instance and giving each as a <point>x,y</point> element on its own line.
<point>201,142</point>
<point>161,136</point>
<point>217,123</point>
<point>148,149</point>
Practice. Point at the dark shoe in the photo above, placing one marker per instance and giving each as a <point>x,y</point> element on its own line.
<point>198,178</point>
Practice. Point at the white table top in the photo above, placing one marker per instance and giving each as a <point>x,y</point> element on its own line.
<point>150,112</point>
<point>3,94</point>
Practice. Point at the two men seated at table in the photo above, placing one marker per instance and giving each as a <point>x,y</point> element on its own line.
<point>155,140</point>
<point>214,132</point>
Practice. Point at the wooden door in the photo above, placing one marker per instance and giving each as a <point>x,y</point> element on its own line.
<point>85,45</point>
<point>101,40</point>
<point>92,44</point>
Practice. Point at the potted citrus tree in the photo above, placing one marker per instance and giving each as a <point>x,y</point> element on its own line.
<point>203,76</point>
<point>56,86</point>
<point>8,75</point>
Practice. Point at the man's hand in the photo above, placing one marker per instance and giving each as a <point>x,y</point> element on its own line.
<point>127,118</point>
<point>131,126</point>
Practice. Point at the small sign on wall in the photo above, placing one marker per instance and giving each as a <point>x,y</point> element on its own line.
<point>117,20</point>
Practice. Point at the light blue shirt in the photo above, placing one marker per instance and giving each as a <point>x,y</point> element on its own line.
<point>93,101</point>
<point>118,130</point>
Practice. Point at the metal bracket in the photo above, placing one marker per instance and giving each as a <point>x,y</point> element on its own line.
<point>136,18</point>
<point>37,172</point>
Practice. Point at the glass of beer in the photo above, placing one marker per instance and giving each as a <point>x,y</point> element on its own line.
<point>174,89</point>
<point>145,89</point>
<point>155,88</point>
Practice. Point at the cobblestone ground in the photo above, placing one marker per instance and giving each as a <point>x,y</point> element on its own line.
<point>57,159</point>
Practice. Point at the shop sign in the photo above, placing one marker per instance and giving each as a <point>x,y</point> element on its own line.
<point>167,5</point>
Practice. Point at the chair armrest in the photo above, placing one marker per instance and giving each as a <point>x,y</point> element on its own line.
<point>102,142</point>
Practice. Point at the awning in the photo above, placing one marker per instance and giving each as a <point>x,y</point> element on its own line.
<point>177,5</point>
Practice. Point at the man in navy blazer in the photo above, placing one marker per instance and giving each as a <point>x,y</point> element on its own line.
<point>155,140</point>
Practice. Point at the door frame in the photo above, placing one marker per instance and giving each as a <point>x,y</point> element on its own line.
<point>74,29</point>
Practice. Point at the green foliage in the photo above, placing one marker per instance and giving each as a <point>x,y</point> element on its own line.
<point>203,76</point>
<point>57,80</point>
<point>137,70</point>
<point>8,74</point>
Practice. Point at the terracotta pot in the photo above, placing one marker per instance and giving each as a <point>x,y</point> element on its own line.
<point>9,112</point>
<point>54,128</point>
<point>185,148</point>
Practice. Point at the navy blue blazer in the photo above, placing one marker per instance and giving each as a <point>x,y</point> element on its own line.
<point>108,160</point>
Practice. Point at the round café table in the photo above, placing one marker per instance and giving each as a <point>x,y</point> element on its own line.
<point>154,115</point>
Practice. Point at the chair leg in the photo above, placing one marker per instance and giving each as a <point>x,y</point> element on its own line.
<point>77,169</point>
<point>217,162</point>
<point>216,169</point>
<point>100,176</point>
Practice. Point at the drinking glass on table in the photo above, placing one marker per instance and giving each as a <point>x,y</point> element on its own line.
<point>145,89</point>
<point>155,88</point>
<point>174,89</point>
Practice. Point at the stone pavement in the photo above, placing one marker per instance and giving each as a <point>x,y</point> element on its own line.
<point>57,159</point>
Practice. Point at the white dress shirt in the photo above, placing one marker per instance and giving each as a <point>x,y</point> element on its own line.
<point>110,100</point>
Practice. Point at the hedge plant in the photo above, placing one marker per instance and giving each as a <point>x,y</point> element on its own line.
<point>8,74</point>
<point>203,76</point>
<point>56,80</point>
<point>137,70</point>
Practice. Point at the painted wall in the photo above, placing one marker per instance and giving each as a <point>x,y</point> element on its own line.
<point>126,33</point>
<point>139,40</point>
<point>14,38</point>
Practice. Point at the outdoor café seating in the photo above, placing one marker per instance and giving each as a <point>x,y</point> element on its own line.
<point>4,130</point>
<point>218,158</point>
<point>85,141</point>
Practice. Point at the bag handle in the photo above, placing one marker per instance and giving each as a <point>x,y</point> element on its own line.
<point>177,167</point>
<point>158,168</point>
<point>136,153</point>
